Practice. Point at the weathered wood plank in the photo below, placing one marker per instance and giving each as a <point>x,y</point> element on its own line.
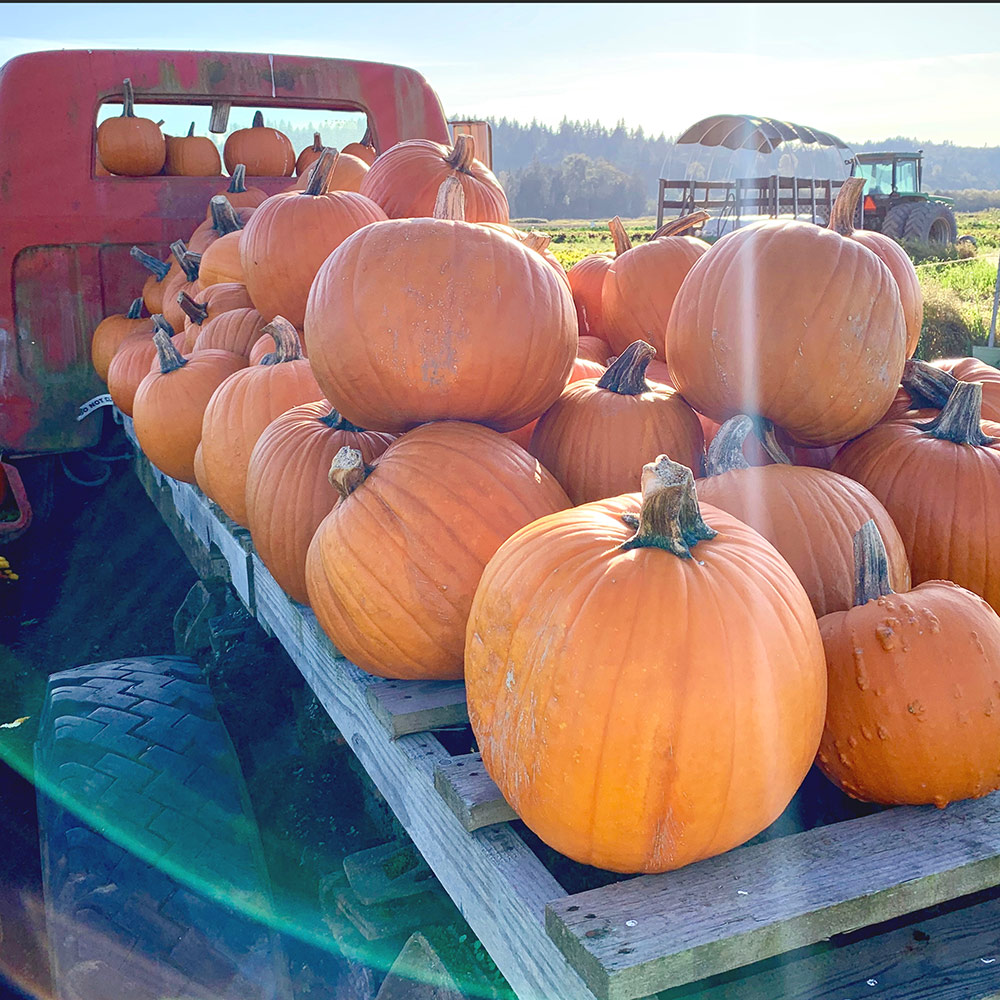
<point>650,933</point>
<point>471,793</point>
<point>390,871</point>
<point>491,875</point>
<point>405,707</point>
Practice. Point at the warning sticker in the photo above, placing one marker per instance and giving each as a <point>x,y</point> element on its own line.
<point>94,404</point>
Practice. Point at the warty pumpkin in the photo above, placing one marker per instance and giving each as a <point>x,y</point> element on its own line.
<point>599,670</point>
<point>288,487</point>
<point>392,569</point>
<point>192,156</point>
<point>265,152</point>
<point>130,146</point>
<point>111,331</point>
<point>913,716</point>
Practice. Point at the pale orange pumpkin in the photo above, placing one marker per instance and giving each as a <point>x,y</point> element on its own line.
<point>192,156</point>
<point>111,331</point>
<point>265,152</point>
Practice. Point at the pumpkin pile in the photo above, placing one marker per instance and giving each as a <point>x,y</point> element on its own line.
<point>435,436</point>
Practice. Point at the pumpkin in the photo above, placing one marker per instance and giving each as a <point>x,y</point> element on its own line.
<point>238,194</point>
<point>790,322</point>
<point>290,236</point>
<point>240,410</point>
<point>220,264</point>
<point>213,302</point>
<point>599,431</point>
<point>592,348</point>
<point>266,345</point>
<point>649,690</point>
<point>405,180</point>
<point>939,480</point>
<point>170,403</point>
<point>184,280</point>
<point>192,156</point>
<point>288,487</point>
<point>364,149</point>
<point>913,716</point>
<point>111,331</point>
<point>152,289</point>
<point>393,567</point>
<point>930,385</point>
<point>888,251</point>
<point>495,347</point>
<point>130,146</point>
<point>309,155</point>
<point>225,219</point>
<point>236,330</point>
<point>586,281</point>
<point>131,364</point>
<point>347,175</point>
<point>640,287</point>
<point>809,515</point>
<point>265,152</point>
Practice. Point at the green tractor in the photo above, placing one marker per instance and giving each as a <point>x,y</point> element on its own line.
<point>894,203</point>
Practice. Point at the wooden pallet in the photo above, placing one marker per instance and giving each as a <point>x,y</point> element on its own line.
<point>634,937</point>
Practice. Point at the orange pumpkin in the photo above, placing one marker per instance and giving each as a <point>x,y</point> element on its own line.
<point>170,403</point>
<point>192,156</point>
<point>364,150</point>
<point>225,219</point>
<point>913,715</point>
<point>213,302</point>
<point>130,146</point>
<point>288,487</point>
<point>586,281</point>
<point>265,152</point>
<point>238,194</point>
<point>236,330</point>
<point>939,482</point>
<point>405,180</point>
<point>640,287</point>
<point>266,345</point>
<point>347,175</point>
<point>131,364</point>
<point>184,281</point>
<point>495,347</point>
<point>592,348</point>
<point>809,515</point>
<point>240,410</point>
<point>888,251</point>
<point>152,290</point>
<point>309,155</point>
<point>791,322</point>
<point>930,385</point>
<point>392,569</point>
<point>220,264</point>
<point>111,331</point>
<point>599,431</point>
<point>290,236</point>
<point>599,671</point>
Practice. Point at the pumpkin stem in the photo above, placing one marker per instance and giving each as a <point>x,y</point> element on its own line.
<point>128,101</point>
<point>237,183</point>
<point>158,267</point>
<point>134,310</point>
<point>620,237</point>
<point>322,173</point>
<point>627,375</point>
<point>197,312</point>
<point>336,421</point>
<point>187,260</point>
<point>536,240</point>
<point>191,130</point>
<point>927,384</point>
<point>317,146</point>
<point>159,323</point>
<point>725,453</point>
<point>450,201</point>
<point>961,419</point>
<point>348,471</point>
<point>258,120</point>
<point>670,517</point>
<point>871,565</point>
<point>462,154</point>
<point>224,217</point>
<point>169,357</point>
<point>286,339</point>
<point>765,432</point>
<point>366,139</point>
<point>846,205</point>
<point>681,224</point>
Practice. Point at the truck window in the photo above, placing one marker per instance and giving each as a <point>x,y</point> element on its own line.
<point>336,128</point>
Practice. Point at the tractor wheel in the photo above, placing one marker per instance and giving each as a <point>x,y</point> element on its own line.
<point>894,222</point>
<point>148,841</point>
<point>931,223</point>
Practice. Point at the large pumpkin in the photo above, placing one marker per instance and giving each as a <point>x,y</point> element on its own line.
<point>170,403</point>
<point>639,289</point>
<point>240,410</point>
<point>192,156</point>
<point>600,430</point>
<point>430,319</point>
<point>392,569</point>
<point>111,331</point>
<point>265,152</point>
<point>939,481</point>
<point>913,716</point>
<point>809,515</point>
<point>128,145</point>
<point>405,180</point>
<point>791,322</point>
<point>648,690</point>
<point>288,487</point>
<point>291,234</point>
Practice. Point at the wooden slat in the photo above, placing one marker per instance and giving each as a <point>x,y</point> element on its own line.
<point>405,707</point>
<point>388,872</point>
<point>471,793</point>
<point>647,934</point>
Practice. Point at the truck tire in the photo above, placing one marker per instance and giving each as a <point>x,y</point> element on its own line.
<point>140,800</point>
<point>894,222</point>
<point>931,222</point>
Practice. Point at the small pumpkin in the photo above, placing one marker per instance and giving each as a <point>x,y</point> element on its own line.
<point>130,146</point>
<point>111,331</point>
<point>236,330</point>
<point>192,156</point>
<point>265,152</point>
<point>309,155</point>
<point>225,220</point>
<point>213,302</point>
<point>184,281</point>
<point>152,289</point>
<point>364,150</point>
<point>131,364</point>
<point>238,194</point>
<point>347,175</point>
<point>586,281</point>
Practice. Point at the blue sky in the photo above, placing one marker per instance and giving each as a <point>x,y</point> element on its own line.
<point>859,70</point>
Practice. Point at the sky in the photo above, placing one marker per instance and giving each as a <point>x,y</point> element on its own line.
<point>860,71</point>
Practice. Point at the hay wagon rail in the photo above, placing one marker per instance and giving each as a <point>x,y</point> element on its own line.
<point>637,936</point>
